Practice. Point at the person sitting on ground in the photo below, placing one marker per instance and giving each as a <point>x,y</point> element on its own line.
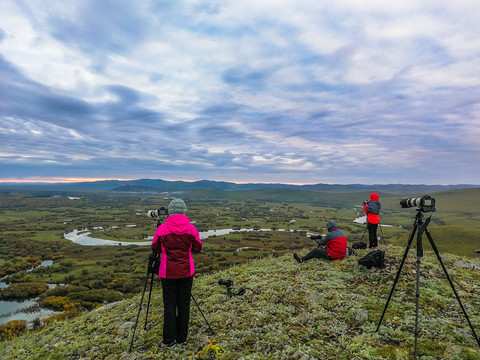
<point>335,243</point>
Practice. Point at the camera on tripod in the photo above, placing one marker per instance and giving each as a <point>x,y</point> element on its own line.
<point>424,204</point>
<point>229,285</point>
<point>155,214</point>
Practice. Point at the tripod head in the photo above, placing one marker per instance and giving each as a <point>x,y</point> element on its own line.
<point>419,225</point>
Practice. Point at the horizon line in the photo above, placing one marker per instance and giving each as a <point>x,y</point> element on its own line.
<point>55,180</point>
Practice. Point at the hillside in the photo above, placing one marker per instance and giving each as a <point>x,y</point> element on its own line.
<point>315,310</point>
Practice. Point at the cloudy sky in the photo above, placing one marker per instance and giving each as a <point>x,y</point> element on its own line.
<point>340,91</point>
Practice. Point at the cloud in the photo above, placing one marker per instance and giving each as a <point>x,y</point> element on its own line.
<point>109,26</point>
<point>300,91</point>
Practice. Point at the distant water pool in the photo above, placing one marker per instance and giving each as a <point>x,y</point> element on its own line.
<point>28,310</point>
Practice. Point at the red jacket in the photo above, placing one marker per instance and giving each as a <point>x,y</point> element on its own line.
<point>175,240</point>
<point>335,241</point>
<point>373,217</point>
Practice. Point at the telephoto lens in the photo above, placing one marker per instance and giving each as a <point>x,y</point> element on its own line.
<point>410,202</point>
<point>157,213</point>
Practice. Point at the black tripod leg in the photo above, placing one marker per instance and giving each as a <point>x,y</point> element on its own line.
<point>381,232</point>
<point>148,304</point>
<point>417,288</point>
<point>412,234</point>
<point>201,312</point>
<point>421,229</point>
<point>364,229</point>
<point>138,315</point>
<point>435,249</point>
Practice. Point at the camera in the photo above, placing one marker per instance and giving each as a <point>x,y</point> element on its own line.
<point>227,283</point>
<point>154,214</point>
<point>425,204</point>
<point>366,202</point>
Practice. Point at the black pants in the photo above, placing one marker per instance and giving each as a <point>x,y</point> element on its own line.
<point>319,253</point>
<point>176,307</point>
<point>372,235</point>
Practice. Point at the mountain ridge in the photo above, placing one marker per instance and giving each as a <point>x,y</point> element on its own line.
<point>159,185</point>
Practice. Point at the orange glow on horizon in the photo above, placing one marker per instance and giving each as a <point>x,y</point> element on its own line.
<point>56,180</point>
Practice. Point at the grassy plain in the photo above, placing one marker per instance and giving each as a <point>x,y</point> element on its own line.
<point>41,219</point>
<point>32,226</point>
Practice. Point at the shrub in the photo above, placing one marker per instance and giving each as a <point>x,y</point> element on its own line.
<point>12,328</point>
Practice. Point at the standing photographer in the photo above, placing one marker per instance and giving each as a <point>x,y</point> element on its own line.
<point>335,243</point>
<point>372,209</point>
<point>175,240</point>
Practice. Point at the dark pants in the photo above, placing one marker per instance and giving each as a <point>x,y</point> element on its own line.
<point>319,253</point>
<point>372,235</point>
<point>176,307</point>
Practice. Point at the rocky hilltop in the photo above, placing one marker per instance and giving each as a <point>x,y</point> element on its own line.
<point>314,310</point>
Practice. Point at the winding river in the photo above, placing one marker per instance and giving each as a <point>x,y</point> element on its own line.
<point>82,237</point>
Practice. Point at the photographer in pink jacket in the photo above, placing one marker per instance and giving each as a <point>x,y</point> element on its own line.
<point>175,240</point>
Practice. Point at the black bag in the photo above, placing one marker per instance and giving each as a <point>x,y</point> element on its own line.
<point>375,258</point>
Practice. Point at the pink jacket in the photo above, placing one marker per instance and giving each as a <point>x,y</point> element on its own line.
<point>175,240</point>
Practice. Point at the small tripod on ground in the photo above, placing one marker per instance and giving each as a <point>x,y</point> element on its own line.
<point>421,226</point>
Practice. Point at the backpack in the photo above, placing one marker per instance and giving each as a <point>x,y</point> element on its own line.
<point>373,207</point>
<point>375,258</point>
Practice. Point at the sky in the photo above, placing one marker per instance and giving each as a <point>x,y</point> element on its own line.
<point>303,92</point>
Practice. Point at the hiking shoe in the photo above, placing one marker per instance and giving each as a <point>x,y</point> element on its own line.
<point>373,248</point>
<point>168,345</point>
<point>182,343</point>
<point>297,257</point>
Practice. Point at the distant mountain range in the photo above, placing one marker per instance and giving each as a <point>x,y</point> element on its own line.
<point>159,186</point>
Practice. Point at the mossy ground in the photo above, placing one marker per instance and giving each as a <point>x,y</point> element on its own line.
<point>314,310</point>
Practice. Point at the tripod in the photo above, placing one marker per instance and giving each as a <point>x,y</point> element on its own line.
<point>152,269</point>
<point>421,226</point>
